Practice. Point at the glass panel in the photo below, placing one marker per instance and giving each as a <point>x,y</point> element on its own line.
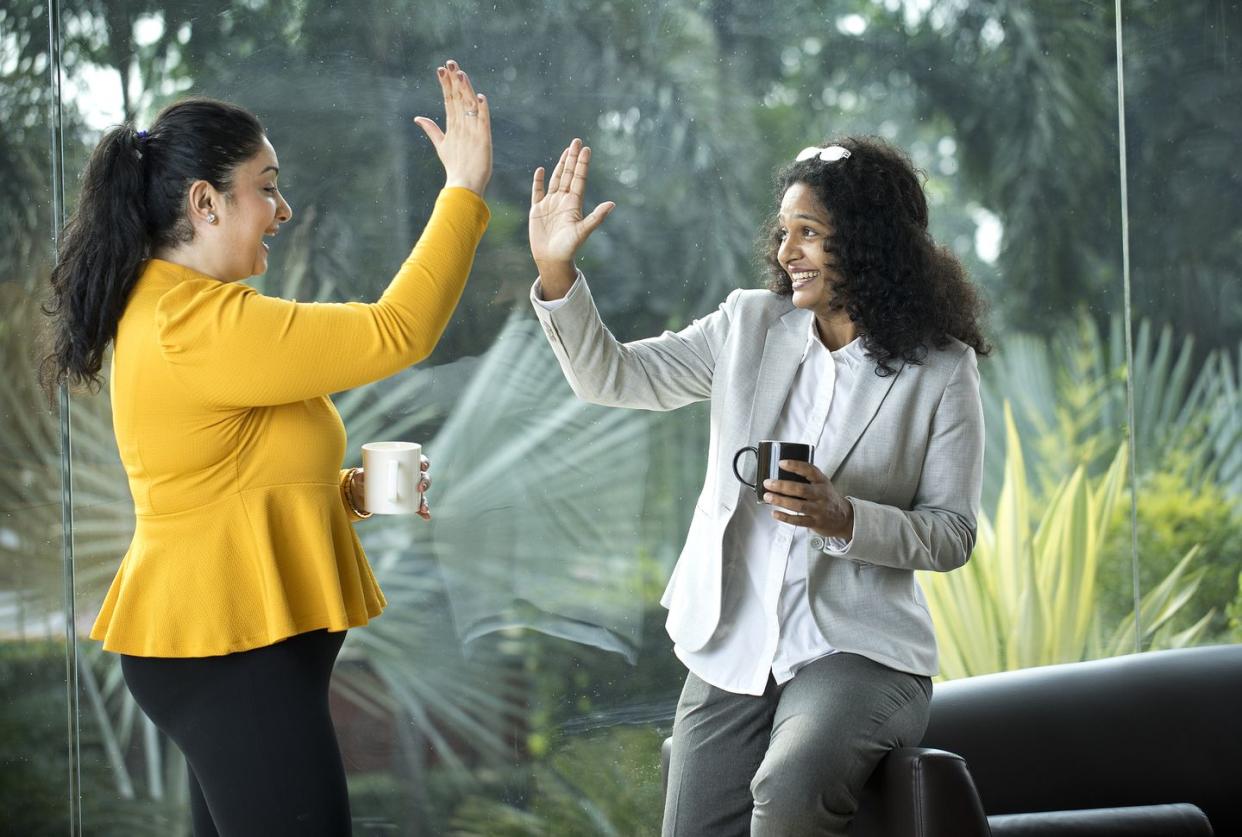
<point>1182,83</point>
<point>520,681</point>
<point>35,767</point>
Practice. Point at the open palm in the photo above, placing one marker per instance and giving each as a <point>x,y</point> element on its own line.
<point>557,225</point>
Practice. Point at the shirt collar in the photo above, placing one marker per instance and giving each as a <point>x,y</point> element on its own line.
<point>850,353</point>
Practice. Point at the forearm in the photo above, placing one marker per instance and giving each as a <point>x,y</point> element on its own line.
<point>423,295</point>
<point>939,540</point>
<point>660,373</point>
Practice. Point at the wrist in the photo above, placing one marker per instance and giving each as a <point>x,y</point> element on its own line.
<point>847,520</point>
<point>357,504</point>
<point>474,185</point>
<point>556,277</point>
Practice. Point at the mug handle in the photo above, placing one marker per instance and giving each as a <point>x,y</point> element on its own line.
<point>738,456</point>
<point>394,484</point>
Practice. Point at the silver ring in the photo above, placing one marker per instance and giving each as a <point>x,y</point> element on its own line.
<point>472,113</point>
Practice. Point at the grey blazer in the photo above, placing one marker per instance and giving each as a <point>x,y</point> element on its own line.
<point>911,463</point>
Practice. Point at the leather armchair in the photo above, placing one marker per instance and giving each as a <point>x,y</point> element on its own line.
<point>1146,744</point>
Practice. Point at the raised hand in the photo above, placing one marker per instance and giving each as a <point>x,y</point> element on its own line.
<point>557,225</point>
<point>465,144</point>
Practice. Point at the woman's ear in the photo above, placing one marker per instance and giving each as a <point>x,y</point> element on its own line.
<point>203,203</point>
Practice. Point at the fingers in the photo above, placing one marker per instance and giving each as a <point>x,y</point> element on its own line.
<point>577,183</point>
<point>788,503</point>
<point>424,467</point>
<point>555,179</point>
<point>597,216</point>
<point>462,87</point>
<point>793,489</point>
<point>571,163</point>
<point>424,511</point>
<point>805,469</point>
<point>794,519</point>
<point>452,111</point>
<point>536,188</point>
<point>431,129</point>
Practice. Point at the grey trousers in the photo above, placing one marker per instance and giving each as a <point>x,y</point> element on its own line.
<point>793,760</point>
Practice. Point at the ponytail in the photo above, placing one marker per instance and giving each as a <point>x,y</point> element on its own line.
<point>133,204</point>
<point>104,244</point>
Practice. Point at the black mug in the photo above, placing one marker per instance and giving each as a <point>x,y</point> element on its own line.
<point>769,453</point>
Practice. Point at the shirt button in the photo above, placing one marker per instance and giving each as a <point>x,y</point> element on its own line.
<point>817,542</point>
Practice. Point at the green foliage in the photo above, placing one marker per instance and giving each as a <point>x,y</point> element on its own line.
<point>1030,594</point>
<point>1235,614</point>
<point>1068,390</point>
<point>606,783</point>
<point>1176,514</point>
<point>33,775</point>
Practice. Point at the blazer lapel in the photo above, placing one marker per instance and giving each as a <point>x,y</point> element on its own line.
<point>868,395</point>
<point>782,352</point>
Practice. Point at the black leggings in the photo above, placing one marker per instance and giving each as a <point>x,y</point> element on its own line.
<point>256,732</point>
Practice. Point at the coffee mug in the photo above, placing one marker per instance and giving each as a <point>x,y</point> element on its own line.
<point>393,474</point>
<point>769,453</point>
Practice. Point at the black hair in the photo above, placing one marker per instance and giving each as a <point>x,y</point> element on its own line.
<point>133,203</point>
<point>903,291</point>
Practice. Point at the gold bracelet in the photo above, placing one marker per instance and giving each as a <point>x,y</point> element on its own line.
<point>349,494</point>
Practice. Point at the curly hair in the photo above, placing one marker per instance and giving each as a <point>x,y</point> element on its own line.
<point>902,291</point>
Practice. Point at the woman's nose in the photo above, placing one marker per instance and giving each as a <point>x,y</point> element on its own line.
<point>285,212</point>
<point>784,252</point>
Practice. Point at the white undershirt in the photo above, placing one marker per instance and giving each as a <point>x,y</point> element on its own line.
<point>766,625</point>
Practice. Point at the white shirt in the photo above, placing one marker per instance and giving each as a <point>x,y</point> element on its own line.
<point>766,625</point>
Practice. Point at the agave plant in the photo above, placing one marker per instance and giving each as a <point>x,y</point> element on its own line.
<point>1028,596</point>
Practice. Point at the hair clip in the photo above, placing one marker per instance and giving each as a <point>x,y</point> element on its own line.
<point>142,135</point>
<point>829,155</point>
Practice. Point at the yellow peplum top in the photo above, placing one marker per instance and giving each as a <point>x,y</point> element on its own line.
<point>233,448</point>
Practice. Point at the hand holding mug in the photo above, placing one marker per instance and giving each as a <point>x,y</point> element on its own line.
<point>358,488</point>
<point>817,503</point>
<point>398,478</point>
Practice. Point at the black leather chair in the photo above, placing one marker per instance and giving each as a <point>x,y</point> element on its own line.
<point>1147,744</point>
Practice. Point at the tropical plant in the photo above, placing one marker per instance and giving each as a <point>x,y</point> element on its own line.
<point>1068,392</point>
<point>1029,595</point>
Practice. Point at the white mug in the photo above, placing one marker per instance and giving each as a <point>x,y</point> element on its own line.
<point>392,477</point>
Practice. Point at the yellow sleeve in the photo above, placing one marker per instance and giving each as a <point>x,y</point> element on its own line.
<point>235,347</point>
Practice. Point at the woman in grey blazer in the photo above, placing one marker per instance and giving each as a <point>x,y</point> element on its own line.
<point>807,638</point>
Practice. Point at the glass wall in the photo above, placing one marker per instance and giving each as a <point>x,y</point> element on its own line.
<point>37,724</point>
<point>520,681</point>
<point>1182,80</point>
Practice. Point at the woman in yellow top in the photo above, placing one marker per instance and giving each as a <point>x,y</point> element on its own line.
<point>244,572</point>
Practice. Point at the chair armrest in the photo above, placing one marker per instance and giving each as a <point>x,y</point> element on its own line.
<point>920,791</point>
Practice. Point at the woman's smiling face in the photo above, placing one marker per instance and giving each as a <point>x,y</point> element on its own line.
<point>805,230</point>
<point>253,209</point>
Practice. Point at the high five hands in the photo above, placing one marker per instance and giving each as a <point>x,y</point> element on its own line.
<point>465,144</point>
<point>557,226</point>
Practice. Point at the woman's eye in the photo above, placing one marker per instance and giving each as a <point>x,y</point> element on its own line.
<point>808,232</point>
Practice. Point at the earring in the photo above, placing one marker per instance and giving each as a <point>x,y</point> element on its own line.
<point>211,217</point>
